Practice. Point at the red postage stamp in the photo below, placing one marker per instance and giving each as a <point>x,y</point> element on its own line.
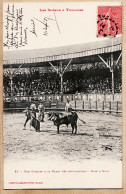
<point>109,21</point>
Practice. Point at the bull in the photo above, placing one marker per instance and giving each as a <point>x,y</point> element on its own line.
<point>71,118</point>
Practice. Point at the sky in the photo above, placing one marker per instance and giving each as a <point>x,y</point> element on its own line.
<point>29,26</point>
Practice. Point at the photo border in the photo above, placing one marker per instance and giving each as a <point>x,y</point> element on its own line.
<point>66,191</point>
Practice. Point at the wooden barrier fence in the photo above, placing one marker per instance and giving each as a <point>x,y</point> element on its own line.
<point>98,106</point>
<point>72,97</point>
<point>83,102</point>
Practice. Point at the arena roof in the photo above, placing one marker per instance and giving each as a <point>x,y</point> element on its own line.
<point>107,45</point>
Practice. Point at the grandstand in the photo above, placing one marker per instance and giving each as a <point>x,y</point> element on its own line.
<point>78,70</point>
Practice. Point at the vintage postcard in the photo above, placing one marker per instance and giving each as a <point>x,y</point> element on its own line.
<point>62,95</point>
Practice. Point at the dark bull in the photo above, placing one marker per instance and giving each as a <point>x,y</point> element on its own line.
<point>58,120</point>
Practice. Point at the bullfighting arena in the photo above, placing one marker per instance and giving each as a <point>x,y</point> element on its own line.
<point>99,138</point>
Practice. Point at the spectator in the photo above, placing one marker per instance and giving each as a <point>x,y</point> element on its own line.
<point>89,80</point>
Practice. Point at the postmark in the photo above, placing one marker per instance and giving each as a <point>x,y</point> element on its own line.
<point>109,21</point>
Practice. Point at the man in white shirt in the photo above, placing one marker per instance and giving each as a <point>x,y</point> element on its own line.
<point>33,108</point>
<point>68,105</point>
<point>41,109</point>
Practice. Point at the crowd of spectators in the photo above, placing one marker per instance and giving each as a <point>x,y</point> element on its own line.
<point>92,80</point>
